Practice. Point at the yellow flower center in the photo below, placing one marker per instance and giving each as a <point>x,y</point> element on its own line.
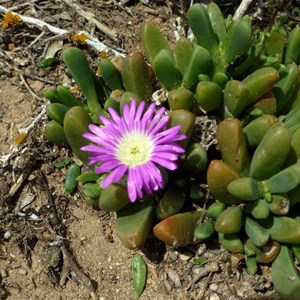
<point>134,149</point>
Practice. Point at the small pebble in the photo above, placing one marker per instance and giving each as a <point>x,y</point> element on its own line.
<point>34,217</point>
<point>65,16</point>
<point>190,265</point>
<point>185,256</point>
<point>3,273</point>
<point>214,297</point>
<point>2,293</point>
<point>31,177</point>
<point>214,287</point>
<point>108,230</point>
<point>15,265</point>
<point>268,285</point>
<point>11,46</point>
<point>174,277</point>
<point>158,20</point>
<point>49,20</point>
<point>201,249</point>
<point>7,235</point>
<point>202,271</point>
<point>172,256</point>
<point>29,198</point>
<point>22,271</point>
<point>77,161</point>
<point>167,285</point>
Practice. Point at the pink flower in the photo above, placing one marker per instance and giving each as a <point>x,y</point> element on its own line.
<point>134,144</point>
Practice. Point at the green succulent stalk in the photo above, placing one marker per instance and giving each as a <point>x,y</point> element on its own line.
<point>76,122</point>
<point>283,269</point>
<point>235,153</point>
<point>135,76</point>
<point>81,72</point>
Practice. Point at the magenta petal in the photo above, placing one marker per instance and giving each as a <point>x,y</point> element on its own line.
<point>144,175</point>
<point>137,178</point>
<point>139,111</point>
<point>115,116</point>
<point>92,161</point>
<point>93,138</point>
<point>149,113</point>
<point>98,131</point>
<point>113,113</point>
<point>114,176</point>
<point>126,111</point>
<point>146,181</point>
<point>165,163</point>
<point>171,133</point>
<point>102,158</point>
<point>180,137</point>
<point>175,148</point>
<point>138,181</point>
<point>154,170</point>
<point>165,138</point>
<point>109,141</point>
<point>166,155</point>
<point>129,120</point>
<point>106,121</point>
<point>156,119</point>
<point>107,166</point>
<point>170,148</point>
<point>131,187</point>
<point>132,108</point>
<point>156,181</point>
<point>96,149</point>
<point>159,126</point>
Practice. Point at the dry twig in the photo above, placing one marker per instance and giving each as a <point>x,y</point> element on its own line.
<point>29,89</point>
<point>39,78</point>
<point>202,292</point>
<point>92,41</point>
<point>5,158</point>
<point>15,187</point>
<point>90,16</point>
<point>241,9</point>
<point>70,265</point>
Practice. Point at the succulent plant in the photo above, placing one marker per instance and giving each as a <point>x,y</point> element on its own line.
<point>250,83</point>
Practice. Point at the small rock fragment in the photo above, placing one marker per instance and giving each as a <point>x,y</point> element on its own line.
<point>214,297</point>
<point>174,277</point>
<point>185,256</point>
<point>22,272</point>
<point>214,287</point>
<point>167,285</point>
<point>202,271</point>
<point>3,273</point>
<point>65,16</point>
<point>7,235</point>
<point>172,256</point>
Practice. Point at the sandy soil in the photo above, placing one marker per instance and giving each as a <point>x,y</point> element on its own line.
<point>52,245</point>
